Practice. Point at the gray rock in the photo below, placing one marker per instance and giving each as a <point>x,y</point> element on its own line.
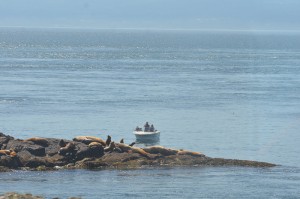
<point>4,140</point>
<point>84,151</point>
<point>19,145</point>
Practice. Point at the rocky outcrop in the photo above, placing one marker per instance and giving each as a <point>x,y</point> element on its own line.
<point>13,195</point>
<point>92,153</point>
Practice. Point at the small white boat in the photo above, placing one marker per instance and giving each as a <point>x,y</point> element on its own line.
<point>149,134</point>
<point>143,136</point>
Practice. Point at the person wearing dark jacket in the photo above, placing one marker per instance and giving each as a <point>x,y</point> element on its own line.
<point>151,128</point>
<point>146,127</point>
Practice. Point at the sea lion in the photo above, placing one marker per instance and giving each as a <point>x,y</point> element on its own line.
<point>37,140</point>
<point>69,148</point>
<point>82,139</point>
<point>160,150</point>
<point>10,153</point>
<point>108,140</point>
<point>118,150</point>
<point>62,143</point>
<point>4,152</point>
<point>95,144</point>
<point>127,148</point>
<point>110,148</point>
<point>122,141</point>
<point>133,143</point>
<point>89,139</point>
<point>140,151</point>
<point>123,147</point>
<point>95,150</point>
<point>184,152</point>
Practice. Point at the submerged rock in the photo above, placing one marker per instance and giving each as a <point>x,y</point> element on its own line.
<point>50,153</point>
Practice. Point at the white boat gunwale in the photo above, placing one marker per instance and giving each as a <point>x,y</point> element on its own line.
<point>146,132</point>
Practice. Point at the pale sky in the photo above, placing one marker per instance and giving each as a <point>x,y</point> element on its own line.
<point>161,14</point>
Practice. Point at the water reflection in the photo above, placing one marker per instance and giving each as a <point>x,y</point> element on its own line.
<point>147,143</point>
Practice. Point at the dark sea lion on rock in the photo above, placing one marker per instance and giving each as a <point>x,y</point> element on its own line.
<point>123,147</point>
<point>133,143</point>
<point>110,148</point>
<point>160,150</point>
<point>108,140</point>
<point>94,149</point>
<point>118,150</point>
<point>122,141</point>
<point>69,148</point>
<point>62,143</point>
<point>89,139</point>
<point>37,140</point>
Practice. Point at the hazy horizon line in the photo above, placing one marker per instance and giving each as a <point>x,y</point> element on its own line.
<point>157,29</point>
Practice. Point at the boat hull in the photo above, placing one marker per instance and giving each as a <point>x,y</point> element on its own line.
<point>142,136</point>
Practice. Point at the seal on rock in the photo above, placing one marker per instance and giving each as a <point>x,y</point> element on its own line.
<point>95,149</point>
<point>4,152</point>
<point>122,141</point>
<point>166,152</point>
<point>133,143</point>
<point>108,140</point>
<point>95,144</point>
<point>127,148</point>
<point>160,150</point>
<point>69,148</point>
<point>62,143</point>
<point>110,148</point>
<point>38,141</point>
<point>140,151</point>
<point>192,153</point>
<point>10,153</point>
<point>89,139</point>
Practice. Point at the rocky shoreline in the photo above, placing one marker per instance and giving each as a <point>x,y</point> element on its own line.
<point>89,152</point>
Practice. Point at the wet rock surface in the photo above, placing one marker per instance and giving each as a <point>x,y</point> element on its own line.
<point>90,153</point>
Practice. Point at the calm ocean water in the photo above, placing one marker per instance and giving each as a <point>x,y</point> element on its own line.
<point>226,94</point>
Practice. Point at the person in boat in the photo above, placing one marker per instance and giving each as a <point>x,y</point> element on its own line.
<point>151,128</point>
<point>137,128</point>
<point>146,127</point>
